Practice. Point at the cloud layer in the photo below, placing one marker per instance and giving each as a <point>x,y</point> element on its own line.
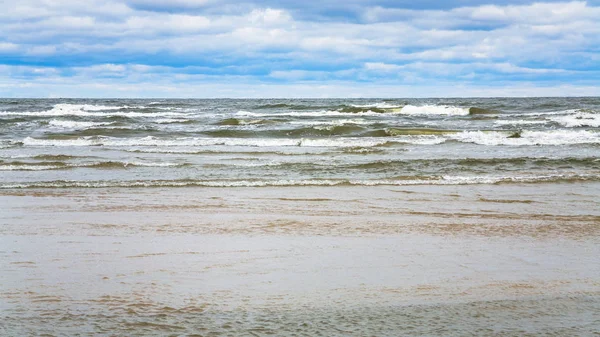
<point>213,48</point>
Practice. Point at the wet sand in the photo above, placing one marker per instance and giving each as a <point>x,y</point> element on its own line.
<point>421,260</point>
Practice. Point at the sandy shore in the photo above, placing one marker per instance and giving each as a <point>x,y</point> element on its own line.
<point>443,260</point>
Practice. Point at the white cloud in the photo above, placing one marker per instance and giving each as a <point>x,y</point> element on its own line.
<point>172,3</point>
<point>269,16</point>
<point>43,50</point>
<point>8,46</point>
<point>487,42</point>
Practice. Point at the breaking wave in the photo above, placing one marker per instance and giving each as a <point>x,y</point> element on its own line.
<point>393,135</point>
<point>86,110</point>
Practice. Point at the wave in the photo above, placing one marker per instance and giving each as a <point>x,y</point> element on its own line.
<point>578,119</point>
<point>417,131</point>
<point>482,111</point>
<point>556,112</point>
<point>527,138</point>
<point>380,105</point>
<point>44,166</point>
<point>377,110</point>
<point>362,110</point>
<point>402,181</point>
<point>30,167</point>
<point>406,136</point>
<point>288,106</point>
<point>254,142</point>
<point>248,151</point>
<point>519,122</point>
<point>173,121</point>
<point>321,113</point>
<point>236,121</point>
<point>86,110</point>
<point>332,122</point>
<point>315,131</point>
<point>54,157</point>
<point>75,124</point>
<point>480,163</point>
<point>435,110</point>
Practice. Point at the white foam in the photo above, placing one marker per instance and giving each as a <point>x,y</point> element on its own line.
<point>555,137</point>
<point>519,122</point>
<point>555,112</point>
<point>74,124</point>
<point>256,142</point>
<point>170,120</point>
<point>335,122</point>
<point>434,110</point>
<point>29,167</point>
<point>87,110</point>
<point>87,107</point>
<point>578,119</point>
<point>380,105</point>
<point>146,164</point>
<point>420,139</point>
<point>490,138</point>
<point>26,167</point>
<point>322,113</point>
<point>344,142</point>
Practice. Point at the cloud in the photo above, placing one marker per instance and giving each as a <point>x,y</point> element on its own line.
<point>468,43</point>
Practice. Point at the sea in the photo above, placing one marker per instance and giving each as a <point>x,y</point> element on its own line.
<point>97,143</point>
<point>300,217</point>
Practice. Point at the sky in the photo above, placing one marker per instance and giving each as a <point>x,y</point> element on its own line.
<point>290,48</point>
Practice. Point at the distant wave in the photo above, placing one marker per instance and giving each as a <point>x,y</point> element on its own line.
<point>86,110</point>
<point>380,105</point>
<point>435,110</point>
<point>376,110</point>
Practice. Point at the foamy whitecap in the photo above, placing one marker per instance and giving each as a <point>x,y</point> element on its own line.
<point>29,167</point>
<point>578,119</point>
<point>380,105</point>
<point>86,107</point>
<point>170,120</point>
<point>519,122</point>
<point>334,122</point>
<point>434,110</point>
<point>152,141</point>
<point>556,137</point>
<point>86,110</point>
<point>322,113</point>
<point>75,124</point>
<point>257,142</point>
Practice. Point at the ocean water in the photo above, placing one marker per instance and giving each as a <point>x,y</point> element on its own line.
<point>337,217</point>
<point>59,143</point>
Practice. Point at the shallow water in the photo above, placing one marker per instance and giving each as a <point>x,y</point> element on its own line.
<point>453,260</point>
